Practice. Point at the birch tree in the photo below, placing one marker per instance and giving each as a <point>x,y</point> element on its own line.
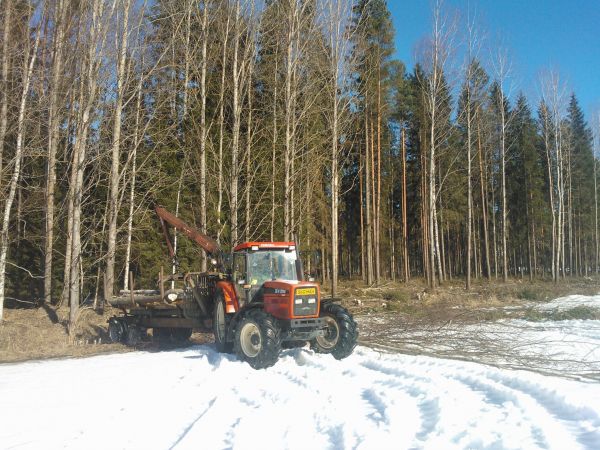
<point>122,36</point>
<point>336,15</point>
<point>551,112</point>
<point>5,87</point>
<point>30,56</point>
<point>434,85</point>
<point>98,22</point>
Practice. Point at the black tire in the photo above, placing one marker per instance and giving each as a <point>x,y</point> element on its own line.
<point>116,330</point>
<point>134,336</point>
<point>341,334</point>
<point>181,335</point>
<point>221,325</point>
<point>162,336</point>
<point>258,339</point>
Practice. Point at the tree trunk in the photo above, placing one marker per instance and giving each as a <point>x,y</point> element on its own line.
<point>5,64</point>
<point>248,176</point>
<point>368,204</point>
<point>597,253</point>
<point>203,129</point>
<point>222,131</point>
<point>404,212</point>
<point>233,210</point>
<point>18,158</point>
<point>114,177</point>
<point>53,139</point>
<point>484,218</point>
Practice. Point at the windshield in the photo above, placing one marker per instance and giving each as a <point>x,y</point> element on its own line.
<point>271,265</point>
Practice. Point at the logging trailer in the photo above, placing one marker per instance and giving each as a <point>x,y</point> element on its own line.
<point>255,302</point>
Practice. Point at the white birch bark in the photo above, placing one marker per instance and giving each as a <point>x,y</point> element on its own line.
<point>5,64</point>
<point>29,63</point>
<point>53,139</point>
<point>114,177</point>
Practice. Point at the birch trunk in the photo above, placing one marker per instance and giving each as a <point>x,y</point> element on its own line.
<point>87,99</point>
<point>222,130</point>
<point>484,218</point>
<point>29,63</point>
<point>288,123</point>
<point>236,129</point>
<point>53,139</point>
<point>203,129</point>
<point>5,64</point>
<point>115,157</point>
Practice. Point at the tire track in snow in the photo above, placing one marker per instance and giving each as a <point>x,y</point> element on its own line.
<point>191,425</point>
<point>307,400</point>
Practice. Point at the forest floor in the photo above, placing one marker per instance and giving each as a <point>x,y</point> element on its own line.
<point>394,316</point>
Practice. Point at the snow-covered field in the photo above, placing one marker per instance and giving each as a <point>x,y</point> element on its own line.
<point>200,399</point>
<point>197,398</point>
<point>567,348</point>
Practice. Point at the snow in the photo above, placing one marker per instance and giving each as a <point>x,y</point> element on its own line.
<point>570,302</point>
<point>567,348</point>
<point>198,398</point>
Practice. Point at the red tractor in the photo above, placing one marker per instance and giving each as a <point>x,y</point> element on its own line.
<point>256,302</point>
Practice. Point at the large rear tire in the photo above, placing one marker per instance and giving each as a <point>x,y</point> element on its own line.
<point>341,332</point>
<point>221,325</point>
<point>258,339</point>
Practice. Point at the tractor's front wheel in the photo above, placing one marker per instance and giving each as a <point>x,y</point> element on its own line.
<point>340,335</point>
<point>258,339</point>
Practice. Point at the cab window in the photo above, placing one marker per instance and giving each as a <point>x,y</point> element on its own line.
<point>239,267</point>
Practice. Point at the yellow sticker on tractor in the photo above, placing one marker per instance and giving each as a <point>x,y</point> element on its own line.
<point>306,291</point>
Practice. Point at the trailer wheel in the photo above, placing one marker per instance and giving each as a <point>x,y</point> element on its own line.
<point>221,325</point>
<point>258,339</point>
<point>116,330</point>
<point>181,335</point>
<point>341,332</point>
<point>134,336</point>
<point>162,336</point>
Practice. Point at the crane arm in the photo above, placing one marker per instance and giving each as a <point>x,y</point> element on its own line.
<point>208,244</point>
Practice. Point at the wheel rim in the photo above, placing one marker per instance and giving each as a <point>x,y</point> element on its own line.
<point>220,325</point>
<point>250,340</point>
<point>331,335</point>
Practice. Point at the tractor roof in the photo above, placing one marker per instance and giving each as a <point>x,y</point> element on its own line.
<point>265,246</point>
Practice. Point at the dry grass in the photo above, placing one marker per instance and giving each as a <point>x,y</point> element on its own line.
<point>42,333</point>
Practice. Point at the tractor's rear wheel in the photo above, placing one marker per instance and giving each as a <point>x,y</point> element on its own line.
<point>221,325</point>
<point>258,339</point>
<point>340,335</point>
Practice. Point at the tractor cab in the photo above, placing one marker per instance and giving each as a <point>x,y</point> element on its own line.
<point>256,263</point>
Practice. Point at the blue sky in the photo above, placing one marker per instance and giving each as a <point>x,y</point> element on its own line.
<point>538,34</point>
